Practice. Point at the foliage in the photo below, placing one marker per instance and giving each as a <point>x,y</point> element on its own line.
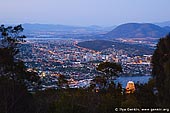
<point>14,97</point>
<point>14,77</point>
<point>130,102</point>
<point>145,94</point>
<point>87,101</point>
<point>109,68</point>
<point>76,101</point>
<point>62,82</point>
<point>9,42</point>
<point>11,39</point>
<point>161,70</point>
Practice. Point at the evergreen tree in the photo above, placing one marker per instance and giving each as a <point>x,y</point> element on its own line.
<point>161,70</point>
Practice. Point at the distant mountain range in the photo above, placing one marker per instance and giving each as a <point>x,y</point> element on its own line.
<point>46,27</point>
<point>163,24</point>
<point>51,27</point>
<point>138,30</point>
<point>128,30</point>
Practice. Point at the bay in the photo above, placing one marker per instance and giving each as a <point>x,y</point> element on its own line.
<point>136,79</point>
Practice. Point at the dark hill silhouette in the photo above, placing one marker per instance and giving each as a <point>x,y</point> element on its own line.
<point>133,49</point>
<point>137,30</point>
<point>96,45</point>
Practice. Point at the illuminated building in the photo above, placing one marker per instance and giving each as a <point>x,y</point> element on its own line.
<point>130,88</point>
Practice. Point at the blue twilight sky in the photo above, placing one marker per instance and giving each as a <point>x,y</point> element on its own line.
<point>84,12</point>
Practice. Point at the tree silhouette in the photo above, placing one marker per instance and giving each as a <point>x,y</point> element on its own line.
<point>161,70</point>
<point>110,69</point>
<point>14,78</point>
<point>14,97</point>
<point>145,94</point>
<point>9,47</point>
<point>11,39</point>
<point>62,82</point>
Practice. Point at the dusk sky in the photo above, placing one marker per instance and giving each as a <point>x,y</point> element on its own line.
<point>84,12</point>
